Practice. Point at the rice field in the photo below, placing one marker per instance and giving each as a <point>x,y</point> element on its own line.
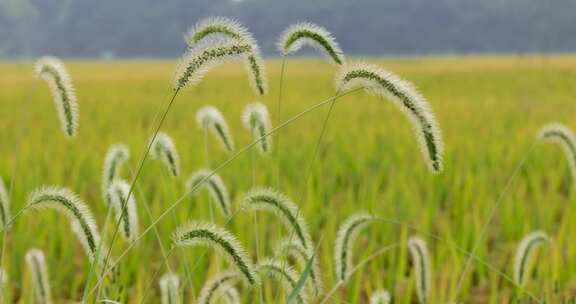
<point>490,110</point>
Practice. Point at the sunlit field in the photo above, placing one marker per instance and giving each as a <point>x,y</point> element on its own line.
<point>489,109</point>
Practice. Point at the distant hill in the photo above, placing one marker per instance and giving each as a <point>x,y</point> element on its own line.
<point>154,28</point>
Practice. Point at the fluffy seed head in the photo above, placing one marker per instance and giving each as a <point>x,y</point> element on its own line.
<point>52,70</point>
<point>525,252</point>
<point>347,234</point>
<point>282,273</point>
<point>256,119</point>
<point>163,148</point>
<point>280,205</point>
<point>210,118</point>
<point>208,234</point>
<point>169,284</point>
<point>290,247</point>
<point>380,297</point>
<point>232,295</point>
<point>560,134</point>
<point>125,210</point>
<point>217,286</point>
<point>211,181</point>
<point>117,155</point>
<point>68,203</point>
<point>387,85</point>
<point>5,214</point>
<point>421,261</point>
<point>298,35</point>
<point>39,276</point>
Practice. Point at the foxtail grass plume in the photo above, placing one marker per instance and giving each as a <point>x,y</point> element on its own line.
<point>5,216</point>
<point>380,297</point>
<point>217,287</point>
<point>300,34</point>
<point>169,285</point>
<point>209,118</point>
<point>40,281</point>
<point>283,274</point>
<point>256,119</point>
<point>210,235</point>
<point>211,181</point>
<point>421,262</point>
<point>163,148</point>
<point>280,205</point>
<point>558,133</point>
<point>116,156</point>
<point>52,70</point>
<point>231,30</point>
<point>124,208</point>
<point>68,203</point>
<point>524,254</point>
<point>290,247</point>
<point>385,84</point>
<point>232,295</point>
<point>343,250</point>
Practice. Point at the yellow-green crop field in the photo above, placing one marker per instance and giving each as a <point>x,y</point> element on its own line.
<point>489,109</point>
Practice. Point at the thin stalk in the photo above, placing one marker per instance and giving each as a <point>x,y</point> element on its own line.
<point>279,119</point>
<point>255,217</point>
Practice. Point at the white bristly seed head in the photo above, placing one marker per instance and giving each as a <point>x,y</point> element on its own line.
<point>169,285</point>
<point>210,118</point>
<point>163,148</point>
<point>525,252</point>
<point>298,35</point>
<point>291,247</point>
<point>256,119</point>
<point>421,262</point>
<point>52,70</point>
<point>5,215</point>
<point>385,84</point>
<point>40,281</point>
<point>343,249</point>
<point>126,212</point>
<point>283,274</point>
<point>208,179</point>
<point>217,286</point>
<point>560,134</point>
<point>117,155</point>
<point>380,297</point>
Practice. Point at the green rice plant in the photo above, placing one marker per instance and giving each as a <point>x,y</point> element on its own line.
<point>422,269</point>
<point>380,297</point>
<point>117,155</point>
<point>217,287</point>
<point>163,148</point>
<point>300,34</point>
<point>560,134</point>
<point>40,281</point>
<point>228,29</point>
<point>207,234</point>
<point>52,70</point>
<point>280,205</point>
<point>81,219</point>
<point>256,119</point>
<point>290,247</point>
<point>385,84</point>
<point>125,208</point>
<point>211,181</point>
<point>524,254</point>
<point>283,274</point>
<point>4,206</point>
<point>209,118</point>
<point>169,285</point>
<point>343,250</point>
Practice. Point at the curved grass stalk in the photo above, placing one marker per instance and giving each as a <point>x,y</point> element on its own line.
<point>217,287</point>
<point>421,261</point>
<point>210,235</point>
<point>228,29</point>
<point>206,178</point>
<point>380,297</point>
<point>289,247</point>
<point>284,274</point>
<point>163,148</point>
<point>298,35</point>
<point>124,208</point>
<point>256,119</point>
<point>387,85</point>
<point>5,214</point>
<point>52,70</point>
<point>209,118</point>
<point>525,252</point>
<point>169,285</point>
<point>80,216</point>
<point>560,134</point>
<point>117,155</point>
<point>347,234</point>
<point>284,208</point>
<point>40,281</point>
